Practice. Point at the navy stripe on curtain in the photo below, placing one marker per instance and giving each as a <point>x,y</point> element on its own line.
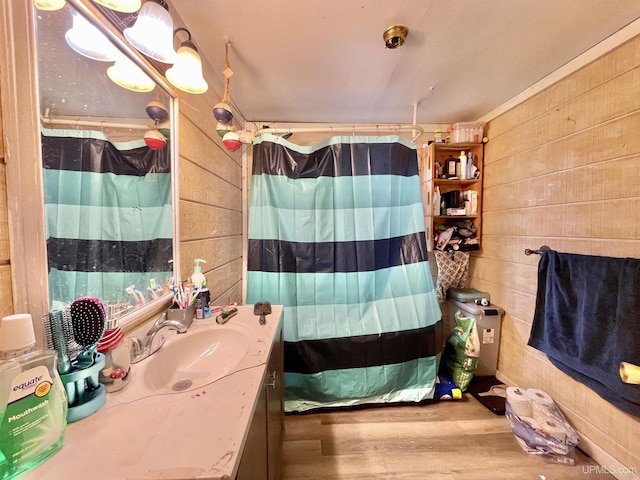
<point>356,256</point>
<point>108,215</point>
<point>336,235</point>
<point>313,356</point>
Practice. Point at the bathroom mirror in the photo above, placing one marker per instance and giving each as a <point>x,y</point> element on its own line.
<point>109,191</point>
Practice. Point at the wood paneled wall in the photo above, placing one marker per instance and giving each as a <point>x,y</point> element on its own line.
<point>210,201</point>
<point>6,300</point>
<point>563,169</point>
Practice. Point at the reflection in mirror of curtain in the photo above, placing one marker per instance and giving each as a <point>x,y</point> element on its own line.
<point>107,195</point>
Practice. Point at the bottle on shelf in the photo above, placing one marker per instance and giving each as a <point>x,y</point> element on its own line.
<point>463,165</point>
<point>436,202</point>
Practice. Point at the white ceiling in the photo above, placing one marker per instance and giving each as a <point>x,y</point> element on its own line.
<point>325,61</point>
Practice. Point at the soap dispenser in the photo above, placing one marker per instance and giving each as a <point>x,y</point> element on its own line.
<point>202,298</point>
<point>197,277</point>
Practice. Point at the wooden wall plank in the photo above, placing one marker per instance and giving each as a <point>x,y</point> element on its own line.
<point>561,170</point>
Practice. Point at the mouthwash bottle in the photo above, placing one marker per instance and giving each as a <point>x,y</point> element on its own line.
<point>33,405</point>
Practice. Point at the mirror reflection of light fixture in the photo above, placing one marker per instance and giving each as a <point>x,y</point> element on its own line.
<point>50,5</point>
<point>128,75</point>
<point>87,40</point>
<point>186,72</point>
<point>152,34</point>
<point>126,6</point>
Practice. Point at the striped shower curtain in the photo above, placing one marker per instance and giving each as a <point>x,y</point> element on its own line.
<point>336,235</point>
<point>108,215</point>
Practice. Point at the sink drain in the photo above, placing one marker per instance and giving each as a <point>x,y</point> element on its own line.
<point>181,385</point>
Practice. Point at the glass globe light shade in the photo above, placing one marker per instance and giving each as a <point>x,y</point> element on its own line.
<point>152,34</point>
<point>87,40</point>
<point>128,75</point>
<point>126,6</point>
<point>186,72</point>
<point>50,5</point>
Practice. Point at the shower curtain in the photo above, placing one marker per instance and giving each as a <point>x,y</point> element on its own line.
<point>336,235</point>
<point>108,215</point>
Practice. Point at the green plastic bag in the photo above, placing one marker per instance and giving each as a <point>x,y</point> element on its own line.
<point>462,351</point>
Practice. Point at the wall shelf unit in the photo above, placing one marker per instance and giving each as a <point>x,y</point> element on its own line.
<point>433,167</point>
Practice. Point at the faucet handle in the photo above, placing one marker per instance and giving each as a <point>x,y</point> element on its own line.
<point>136,349</point>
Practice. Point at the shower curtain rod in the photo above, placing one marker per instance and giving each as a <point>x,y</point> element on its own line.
<point>92,123</point>
<point>347,128</point>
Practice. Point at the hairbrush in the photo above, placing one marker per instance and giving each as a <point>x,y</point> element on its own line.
<point>88,323</point>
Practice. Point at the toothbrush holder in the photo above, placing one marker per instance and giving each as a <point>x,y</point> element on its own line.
<point>85,395</point>
<point>183,315</point>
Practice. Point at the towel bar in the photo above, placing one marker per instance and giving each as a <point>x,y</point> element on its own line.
<point>541,250</point>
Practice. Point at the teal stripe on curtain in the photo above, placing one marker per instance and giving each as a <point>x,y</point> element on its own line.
<point>335,193</point>
<point>108,223</point>
<point>107,189</point>
<point>363,385</point>
<point>366,302</point>
<point>110,287</point>
<point>96,134</point>
<point>378,316</point>
<point>345,225</point>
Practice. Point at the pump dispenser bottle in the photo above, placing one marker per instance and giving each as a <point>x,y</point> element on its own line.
<point>200,281</point>
<point>197,277</point>
<point>33,405</point>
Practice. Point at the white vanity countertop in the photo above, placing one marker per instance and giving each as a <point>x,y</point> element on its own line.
<point>195,434</point>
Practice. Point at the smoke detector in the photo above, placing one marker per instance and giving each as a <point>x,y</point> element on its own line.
<point>394,36</point>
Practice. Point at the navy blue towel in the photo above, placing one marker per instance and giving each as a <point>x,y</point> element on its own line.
<point>587,321</point>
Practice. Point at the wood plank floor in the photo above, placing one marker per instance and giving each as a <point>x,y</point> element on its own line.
<point>456,440</point>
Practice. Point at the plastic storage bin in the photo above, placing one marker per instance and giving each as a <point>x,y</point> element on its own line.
<point>489,321</point>
<point>467,132</point>
<point>467,294</point>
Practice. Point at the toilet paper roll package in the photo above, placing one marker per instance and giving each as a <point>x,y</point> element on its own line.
<point>539,426</point>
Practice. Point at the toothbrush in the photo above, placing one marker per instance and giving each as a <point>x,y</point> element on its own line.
<point>139,294</point>
<point>130,291</point>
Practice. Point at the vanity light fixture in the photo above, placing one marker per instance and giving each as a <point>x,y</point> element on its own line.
<point>87,40</point>
<point>128,75</point>
<point>125,6</point>
<point>186,72</point>
<point>50,5</point>
<point>152,33</point>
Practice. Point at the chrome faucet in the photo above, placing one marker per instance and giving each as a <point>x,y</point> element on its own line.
<point>152,341</point>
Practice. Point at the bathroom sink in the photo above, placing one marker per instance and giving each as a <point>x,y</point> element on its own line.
<point>195,359</point>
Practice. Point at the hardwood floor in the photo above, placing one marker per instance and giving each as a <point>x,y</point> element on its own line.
<point>454,440</point>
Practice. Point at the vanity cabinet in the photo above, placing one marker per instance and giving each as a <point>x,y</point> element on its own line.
<point>262,454</point>
<point>433,166</point>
